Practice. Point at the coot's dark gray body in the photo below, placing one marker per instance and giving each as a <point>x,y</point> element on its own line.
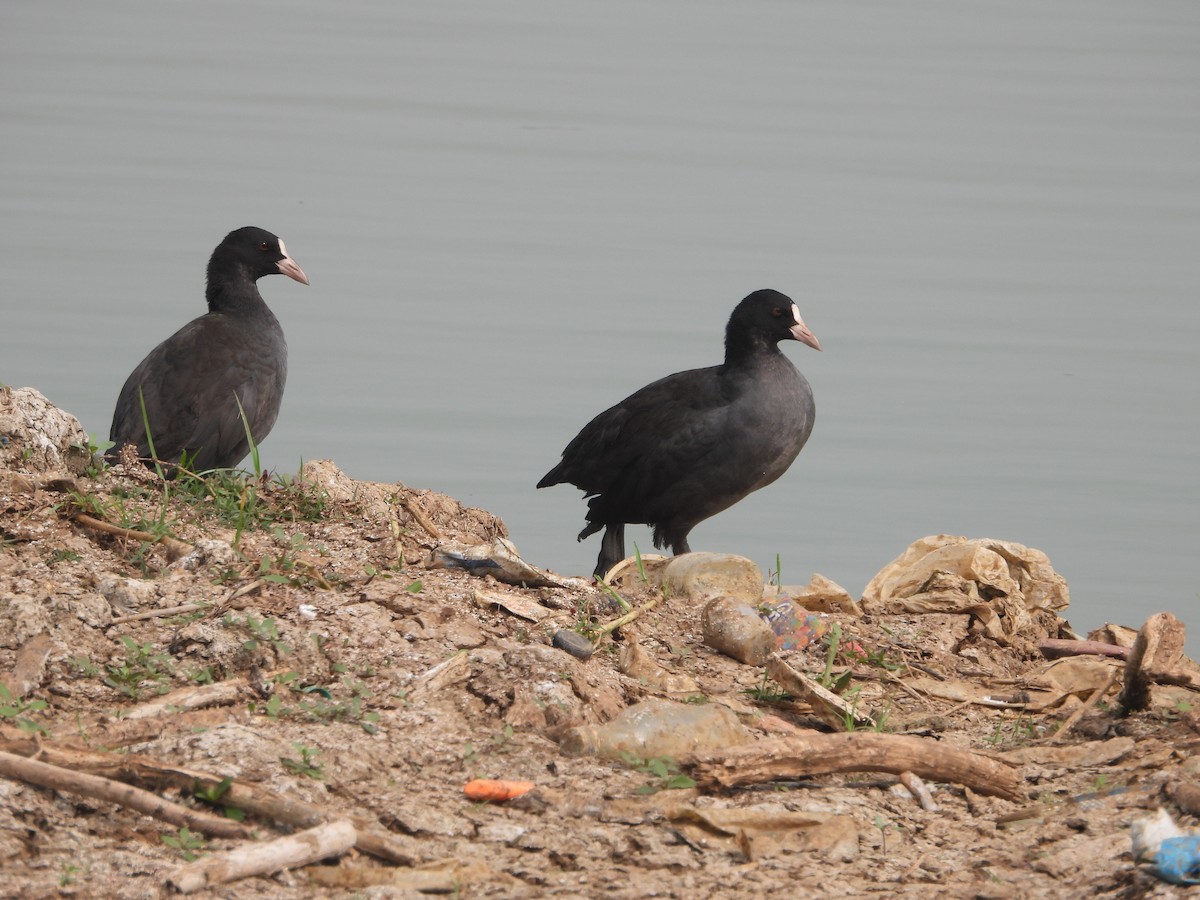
<point>191,383</point>
<point>694,443</point>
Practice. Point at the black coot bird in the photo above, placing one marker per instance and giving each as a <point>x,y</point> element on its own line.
<point>694,443</point>
<point>192,382</point>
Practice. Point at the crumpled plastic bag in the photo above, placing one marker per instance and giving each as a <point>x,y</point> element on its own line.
<point>1178,860</point>
<point>999,582</point>
<point>1077,676</point>
<point>500,559</point>
<point>819,595</point>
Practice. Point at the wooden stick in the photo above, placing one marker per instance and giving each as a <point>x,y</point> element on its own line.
<point>612,626</point>
<point>919,790</point>
<point>373,838</point>
<point>220,694</point>
<point>444,673</point>
<point>160,613</point>
<point>293,851</point>
<point>175,547</point>
<point>410,505</point>
<point>806,754</point>
<point>394,527</point>
<point>828,706</point>
<point>1087,705</point>
<point>96,731</point>
<point>51,776</point>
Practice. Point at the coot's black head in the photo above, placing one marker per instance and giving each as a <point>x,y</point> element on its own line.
<point>248,254</point>
<point>767,317</point>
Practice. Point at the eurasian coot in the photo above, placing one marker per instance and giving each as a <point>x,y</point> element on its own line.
<point>192,382</point>
<point>696,442</point>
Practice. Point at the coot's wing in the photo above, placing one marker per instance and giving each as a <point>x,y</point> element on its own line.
<point>218,439</point>
<point>647,436</point>
<point>188,383</point>
<point>671,454</point>
<point>164,381</point>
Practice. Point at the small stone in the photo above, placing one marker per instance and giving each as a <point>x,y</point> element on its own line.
<point>705,576</point>
<point>127,595</point>
<point>635,662</point>
<point>37,436</point>
<point>207,552</point>
<point>23,615</point>
<point>573,642</point>
<point>464,634</point>
<point>501,832</point>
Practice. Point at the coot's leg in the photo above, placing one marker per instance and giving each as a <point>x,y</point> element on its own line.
<point>612,548</point>
<point>677,540</point>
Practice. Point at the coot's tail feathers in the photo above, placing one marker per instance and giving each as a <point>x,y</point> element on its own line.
<point>590,529</point>
<point>551,477</point>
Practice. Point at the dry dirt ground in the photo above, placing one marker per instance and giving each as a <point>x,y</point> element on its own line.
<point>343,672</point>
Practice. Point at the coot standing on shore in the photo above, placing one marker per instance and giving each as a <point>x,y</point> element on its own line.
<point>694,443</point>
<point>192,382</point>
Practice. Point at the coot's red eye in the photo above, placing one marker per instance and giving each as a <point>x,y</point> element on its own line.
<point>777,312</point>
<point>262,245</point>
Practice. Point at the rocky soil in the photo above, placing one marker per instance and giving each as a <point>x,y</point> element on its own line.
<point>306,646</point>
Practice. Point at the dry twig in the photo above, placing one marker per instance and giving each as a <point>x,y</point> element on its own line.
<point>859,751</point>
<point>161,613</point>
<point>293,851</point>
<point>1085,706</point>
<point>610,627</point>
<point>919,790</point>
<point>48,775</point>
<point>828,706</point>
<point>372,837</point>
<point>411,507</point>
<point>175,547</point>
<point>222,693</point>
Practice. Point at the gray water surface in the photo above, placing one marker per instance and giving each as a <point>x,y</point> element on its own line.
<point>514,215</point>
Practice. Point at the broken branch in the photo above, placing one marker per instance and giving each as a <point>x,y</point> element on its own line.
<point>808,754</point>
<point>290,852</point>
<point>175,547</point>
<point>161,613</point>
<point>828,706</point>
<point>411,507</point>
<point>372,837</point>
<point>626,619</point>
<point>57,778</point>
<point>1087,705</point>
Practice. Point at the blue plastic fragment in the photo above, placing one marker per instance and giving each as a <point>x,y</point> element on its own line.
<point>458,561</point>
<point>1178,860</point>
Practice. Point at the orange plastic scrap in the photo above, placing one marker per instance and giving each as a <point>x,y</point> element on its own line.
<point>496,790</point>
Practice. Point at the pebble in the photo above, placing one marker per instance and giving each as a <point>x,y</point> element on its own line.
<point>574,643</point>
<point>705,576</point>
